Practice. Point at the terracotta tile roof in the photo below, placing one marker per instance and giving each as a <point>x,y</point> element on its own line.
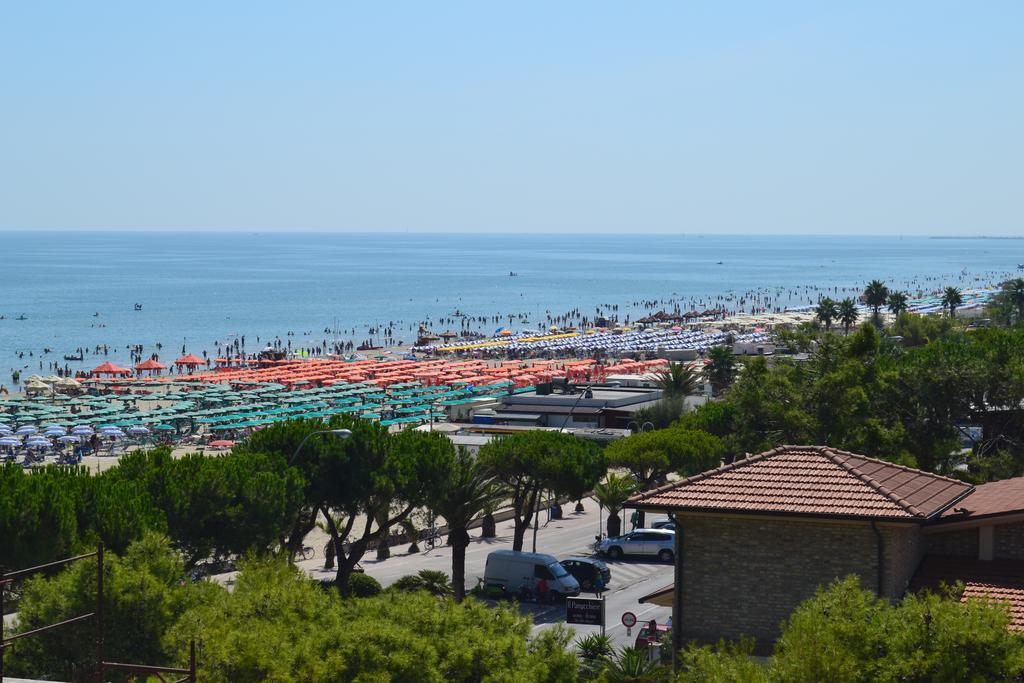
<point>994,498</point>
<point>811,480</point>
<point>998,580</point>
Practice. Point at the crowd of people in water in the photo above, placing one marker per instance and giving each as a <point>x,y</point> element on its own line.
<point>470,326</point>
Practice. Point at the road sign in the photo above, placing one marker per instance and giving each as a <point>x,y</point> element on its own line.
<point>628,619</point>
<point>589,611</point>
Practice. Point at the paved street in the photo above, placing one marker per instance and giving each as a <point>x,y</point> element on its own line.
<point>573,535</point>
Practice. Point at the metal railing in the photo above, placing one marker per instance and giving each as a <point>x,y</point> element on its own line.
<point>102,666</point>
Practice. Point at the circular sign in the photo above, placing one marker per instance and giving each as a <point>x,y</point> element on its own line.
<point>628,619</point>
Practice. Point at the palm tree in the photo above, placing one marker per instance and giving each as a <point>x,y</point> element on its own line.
<point>430,580</point>
<point>827,311</point>
<point>612,493</point>
<point>1015,292</point>
<point>721,368</point>
<point>897,303</point>
<point>676,380</point>
<point>951,299</point>
<point>848,314</point>
<point>633,666</point>
<point>875,295</point>
<point>466,493</point>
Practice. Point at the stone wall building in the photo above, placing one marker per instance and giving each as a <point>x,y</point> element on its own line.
<point>759,536</point>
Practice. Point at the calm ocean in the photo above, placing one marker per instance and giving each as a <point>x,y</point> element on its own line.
<point>199,287</point>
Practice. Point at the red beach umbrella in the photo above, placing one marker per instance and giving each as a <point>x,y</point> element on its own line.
<point>109,368</point>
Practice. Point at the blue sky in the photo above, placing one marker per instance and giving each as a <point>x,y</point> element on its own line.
<point>714,117</point>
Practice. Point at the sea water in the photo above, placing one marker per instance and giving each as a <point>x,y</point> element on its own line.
<point>79,289</point>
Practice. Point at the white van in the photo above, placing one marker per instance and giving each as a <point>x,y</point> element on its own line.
<point>512,571</point>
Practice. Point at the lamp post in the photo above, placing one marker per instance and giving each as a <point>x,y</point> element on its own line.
<point>340,433</point>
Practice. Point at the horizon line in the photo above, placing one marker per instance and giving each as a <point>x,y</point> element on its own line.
<point>316,231</point>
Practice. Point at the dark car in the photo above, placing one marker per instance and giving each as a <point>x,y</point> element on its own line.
<point>666,523</point>
<point>584,569</point>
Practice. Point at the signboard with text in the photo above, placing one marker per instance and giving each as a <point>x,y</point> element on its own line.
<point>588,611</point>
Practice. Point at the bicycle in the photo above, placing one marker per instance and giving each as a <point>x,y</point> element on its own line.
<point>305,553</point>
<point>433,538</point>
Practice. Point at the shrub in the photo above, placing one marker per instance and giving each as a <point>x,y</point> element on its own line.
<point>363,586</point>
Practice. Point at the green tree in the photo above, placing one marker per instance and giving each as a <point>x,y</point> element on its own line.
<point>372,475</point>
<point>721,368</point>
<point>431,581</point>
<point>918,330</point>
<point>676,380</point>
<point>1007,306</point>
<point>277,625</point>
<point>827,311</point>
<point>848,314</point>
<point>661,413</point>
<point>650,456</point>
<point>213,506</point>
<point>847,634</point>
<point>466,491</point>
<point>952,298</point>
<point>38,514</point>
<point>897,303</point>
<point>145,591</point>
<point>613,493</point>
<point>875,295</point>
<point>631,665</point>
<point>529,463</point>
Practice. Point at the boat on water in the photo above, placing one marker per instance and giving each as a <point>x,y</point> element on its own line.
<point>22,317</point>
<point>138,307</point>
<point>79,357</point>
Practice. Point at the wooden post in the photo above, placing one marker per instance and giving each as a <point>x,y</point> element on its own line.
<point>99,613</point>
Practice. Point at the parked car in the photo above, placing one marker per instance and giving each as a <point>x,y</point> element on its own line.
<point>584,569</point>
<point>513,572</point>
<point>660,543</point>
<point>666,523</point>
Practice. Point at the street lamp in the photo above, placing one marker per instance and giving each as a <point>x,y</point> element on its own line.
<point>340,433</point>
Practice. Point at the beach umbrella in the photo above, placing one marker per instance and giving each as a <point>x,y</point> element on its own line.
<point>68,439</point>
<point>5,430</point>
<point>10,441</point>
<point>26,429</point>
<point>82,430</point>
<point>138,429</point>
<point>165,428</point>
<point>222,443</point>
<point>54,430</point>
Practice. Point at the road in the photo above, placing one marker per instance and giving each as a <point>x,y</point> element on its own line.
<point>572,535</point>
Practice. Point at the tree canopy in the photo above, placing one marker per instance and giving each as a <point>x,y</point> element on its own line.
<point>650,456</point>
<point>528,463</point>
<point>846,634</point>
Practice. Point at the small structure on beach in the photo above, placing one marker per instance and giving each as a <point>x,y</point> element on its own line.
<point>109,368</point>
<point>152,366</point>
<point>189,361</point>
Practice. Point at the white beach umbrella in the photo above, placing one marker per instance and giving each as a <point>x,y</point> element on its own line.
<point>26,429</point>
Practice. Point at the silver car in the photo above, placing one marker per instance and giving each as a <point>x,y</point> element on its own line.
<point>660,543</point>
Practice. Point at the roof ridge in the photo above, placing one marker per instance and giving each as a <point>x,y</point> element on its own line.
<point>888,463</point>
<point>835,455</point>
